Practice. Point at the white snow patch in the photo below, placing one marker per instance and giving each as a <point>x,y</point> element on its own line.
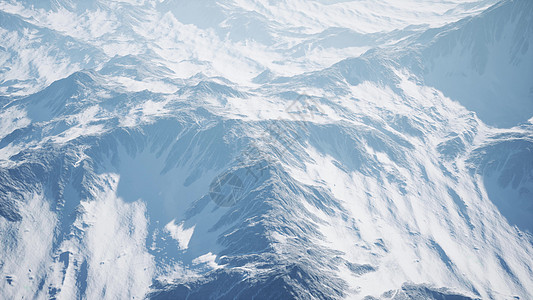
<point>208,260</point>
<point>26,248</point>
<point>179,233</point>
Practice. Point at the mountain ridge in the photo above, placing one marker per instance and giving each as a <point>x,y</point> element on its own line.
<point>354,180</point>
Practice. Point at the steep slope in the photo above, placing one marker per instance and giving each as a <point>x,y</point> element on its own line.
<point>505,162</point>
<point>486,63</point>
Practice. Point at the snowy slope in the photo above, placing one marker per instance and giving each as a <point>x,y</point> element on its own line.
<point>266,149</point>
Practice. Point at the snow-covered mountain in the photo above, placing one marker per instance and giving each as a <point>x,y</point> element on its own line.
<point>253,149</point>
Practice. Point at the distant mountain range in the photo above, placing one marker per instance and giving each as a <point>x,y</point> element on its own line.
<point>253,149</point>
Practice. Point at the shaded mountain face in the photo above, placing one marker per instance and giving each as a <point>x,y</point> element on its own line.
<point>266,149</point>
<point>486,63</point>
